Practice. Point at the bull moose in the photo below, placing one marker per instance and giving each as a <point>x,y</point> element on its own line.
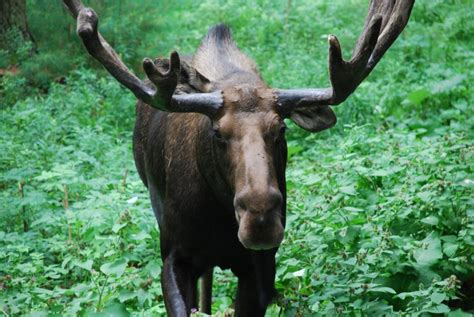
<point>209,144</point>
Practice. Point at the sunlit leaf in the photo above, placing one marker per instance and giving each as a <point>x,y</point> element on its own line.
<point>116,268</point>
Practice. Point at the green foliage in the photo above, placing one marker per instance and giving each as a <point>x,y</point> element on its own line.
<point>16,49</point>
<point>380,210</point>
<point>385,213</point>
<point>12,89</point>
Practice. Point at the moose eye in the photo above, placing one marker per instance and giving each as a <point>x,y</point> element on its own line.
<point>216,133</point>
<point>281,133</point>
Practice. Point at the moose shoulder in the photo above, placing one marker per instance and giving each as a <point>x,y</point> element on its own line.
<point>209,144</point>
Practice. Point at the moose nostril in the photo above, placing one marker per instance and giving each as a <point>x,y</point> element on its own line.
<point>260,220</point>
<point>276,198</point>
<point>264,202</point>
<point>239,203</point>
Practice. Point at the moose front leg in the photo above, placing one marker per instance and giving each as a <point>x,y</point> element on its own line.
<point>205,300</point>
<point>256,288</point>
<point>179,287</point>
<point>247,303</point>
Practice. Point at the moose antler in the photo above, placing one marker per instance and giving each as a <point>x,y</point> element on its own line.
<point>384,23</point>
<point>161,96</point>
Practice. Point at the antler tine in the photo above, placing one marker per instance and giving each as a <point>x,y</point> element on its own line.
<point>162,97</point>
<point>385,21</point>
<point>346,76</point>
<point>394,26</point>
<point>166,81</point>
<point>376,8</point>
<point>74,7</point>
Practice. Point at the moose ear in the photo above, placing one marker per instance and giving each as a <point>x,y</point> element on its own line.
<point>314,119</point>
<point>190,80</point>
<point>190,76</point>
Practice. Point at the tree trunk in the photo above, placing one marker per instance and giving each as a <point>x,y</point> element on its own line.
<point>13,24</point>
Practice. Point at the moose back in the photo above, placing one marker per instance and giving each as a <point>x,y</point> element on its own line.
<point>209,144</point>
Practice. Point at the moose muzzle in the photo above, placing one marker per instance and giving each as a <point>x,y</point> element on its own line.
<point>259,217</point>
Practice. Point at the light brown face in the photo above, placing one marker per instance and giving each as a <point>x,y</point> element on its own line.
<point>248,137</point>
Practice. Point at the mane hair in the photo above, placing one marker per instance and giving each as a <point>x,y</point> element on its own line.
<point>218,57</point>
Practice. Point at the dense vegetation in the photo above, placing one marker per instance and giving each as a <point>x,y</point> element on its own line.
<point>381,213</point>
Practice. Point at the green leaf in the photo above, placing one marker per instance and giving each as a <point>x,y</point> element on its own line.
<point>87,265</point>
<point>386,172</point>
<point>311,179</point>
<point>425,196</point>
<point>439,309</point>
<point>382,289</point>
<point>342,299</point>
<point>349,233</point>
<point>116,268</point>
<point>142,235</point>
<point>450,248</point>
<point>470,213</point>
<point>350,261</point>
<point>431,220</point>
<point>349,190</point>
<point>126,295</point>
<point>353,209</point>
<point>299,273</point>
<point>430,251</point>
<point>416,97</point>
<point>47,176</point>
<point>116,228</point>
<point>113,309</point>
<point>154,268</point>
<point>143,296</point>
<point>449,238</point>
<point>294,149</point>
<point>437,298</point>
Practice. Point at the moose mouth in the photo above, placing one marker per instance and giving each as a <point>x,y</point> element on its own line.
<point>259,232</point>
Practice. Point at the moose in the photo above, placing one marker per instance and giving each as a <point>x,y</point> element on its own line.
<point>209,144</point>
